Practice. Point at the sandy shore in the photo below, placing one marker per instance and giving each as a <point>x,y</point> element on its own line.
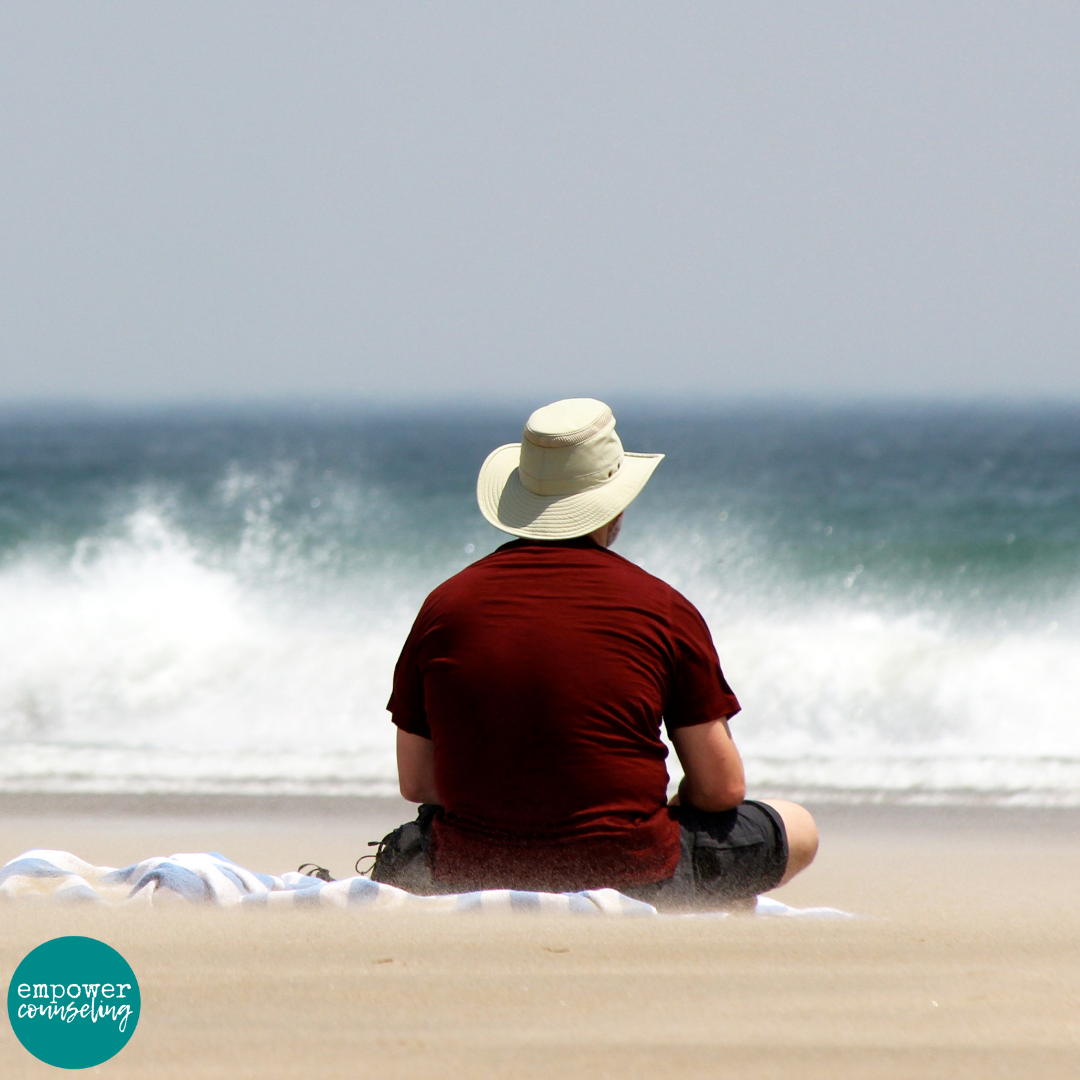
<point>967,965</point>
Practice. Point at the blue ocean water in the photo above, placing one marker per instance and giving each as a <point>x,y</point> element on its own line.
<point>213,600</point>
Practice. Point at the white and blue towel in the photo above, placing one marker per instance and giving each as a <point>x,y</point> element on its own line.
<point>198,877</point>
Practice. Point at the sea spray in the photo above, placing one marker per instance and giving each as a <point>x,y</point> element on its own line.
<point>216,604</point>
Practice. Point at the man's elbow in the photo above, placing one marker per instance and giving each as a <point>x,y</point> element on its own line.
<point>414,790</point>
<point>719,797</point>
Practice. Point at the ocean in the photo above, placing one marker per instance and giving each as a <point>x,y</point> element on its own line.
<point>212,600</point>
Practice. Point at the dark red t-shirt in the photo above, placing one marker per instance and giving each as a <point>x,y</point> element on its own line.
<point>542,673</point>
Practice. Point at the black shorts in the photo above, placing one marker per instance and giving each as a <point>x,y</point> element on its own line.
<point>727,858</point>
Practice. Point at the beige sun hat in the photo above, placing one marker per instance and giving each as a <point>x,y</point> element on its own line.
<point>568,476</point>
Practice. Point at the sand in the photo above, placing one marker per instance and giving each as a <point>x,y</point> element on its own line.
<point>966,964</point>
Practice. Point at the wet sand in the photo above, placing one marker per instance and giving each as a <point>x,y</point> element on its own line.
<point>967,963</point>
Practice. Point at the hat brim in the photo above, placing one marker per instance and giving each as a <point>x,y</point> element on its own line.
<point>509,505</point>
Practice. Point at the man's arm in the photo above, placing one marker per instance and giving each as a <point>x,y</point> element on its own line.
<point>714,778</point>
<point>416,768</point>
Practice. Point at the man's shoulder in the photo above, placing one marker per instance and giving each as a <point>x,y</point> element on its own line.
<point>573,558</point>
<point>663,593</point>
<point>466,580</point>
<point>638,575</point>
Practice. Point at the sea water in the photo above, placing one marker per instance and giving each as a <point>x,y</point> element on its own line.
<point>212,600</point>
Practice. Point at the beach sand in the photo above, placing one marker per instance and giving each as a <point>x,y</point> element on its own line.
<point>966,964</point>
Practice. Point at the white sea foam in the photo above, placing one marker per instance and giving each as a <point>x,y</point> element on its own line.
<point>141,667</point>
<point>144,664</point>
<point>906,706</point>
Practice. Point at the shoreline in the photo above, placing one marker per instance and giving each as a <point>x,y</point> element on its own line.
<point>845,813</point>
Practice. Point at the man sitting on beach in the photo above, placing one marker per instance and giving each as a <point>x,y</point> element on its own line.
<point>529,696</point>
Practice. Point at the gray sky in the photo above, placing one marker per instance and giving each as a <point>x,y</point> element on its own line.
<point>416,199</point>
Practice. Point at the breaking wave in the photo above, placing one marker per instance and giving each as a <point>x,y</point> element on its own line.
<point>240,636</point>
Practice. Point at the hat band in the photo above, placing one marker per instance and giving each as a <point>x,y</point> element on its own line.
<point>569,485</point>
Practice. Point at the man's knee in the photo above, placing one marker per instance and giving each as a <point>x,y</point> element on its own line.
<point>802,835</point>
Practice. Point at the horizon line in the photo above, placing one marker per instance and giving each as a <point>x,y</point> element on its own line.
<point>464,402</point>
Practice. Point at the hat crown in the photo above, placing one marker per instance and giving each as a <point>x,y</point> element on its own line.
<point>569,447</point>
<point>568,422</point>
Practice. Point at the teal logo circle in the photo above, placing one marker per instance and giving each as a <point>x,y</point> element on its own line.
<point>73,1002</point>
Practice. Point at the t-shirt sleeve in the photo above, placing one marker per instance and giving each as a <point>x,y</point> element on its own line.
<point>700,692</point>
<point>406,704</point>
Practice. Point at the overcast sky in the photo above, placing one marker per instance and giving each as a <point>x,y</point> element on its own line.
<point>468,199</point>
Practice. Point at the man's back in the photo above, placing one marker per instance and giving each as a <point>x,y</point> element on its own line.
<point>541,674</point>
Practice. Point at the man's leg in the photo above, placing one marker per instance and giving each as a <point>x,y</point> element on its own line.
<point>802,836</point>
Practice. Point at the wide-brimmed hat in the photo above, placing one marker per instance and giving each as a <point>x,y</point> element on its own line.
<point>568,476</point>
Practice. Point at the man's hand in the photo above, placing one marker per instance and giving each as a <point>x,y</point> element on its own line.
<point>416,768</point>
<point>714,778</point>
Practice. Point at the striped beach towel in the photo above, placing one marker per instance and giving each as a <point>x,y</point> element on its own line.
<point>210,878</point>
